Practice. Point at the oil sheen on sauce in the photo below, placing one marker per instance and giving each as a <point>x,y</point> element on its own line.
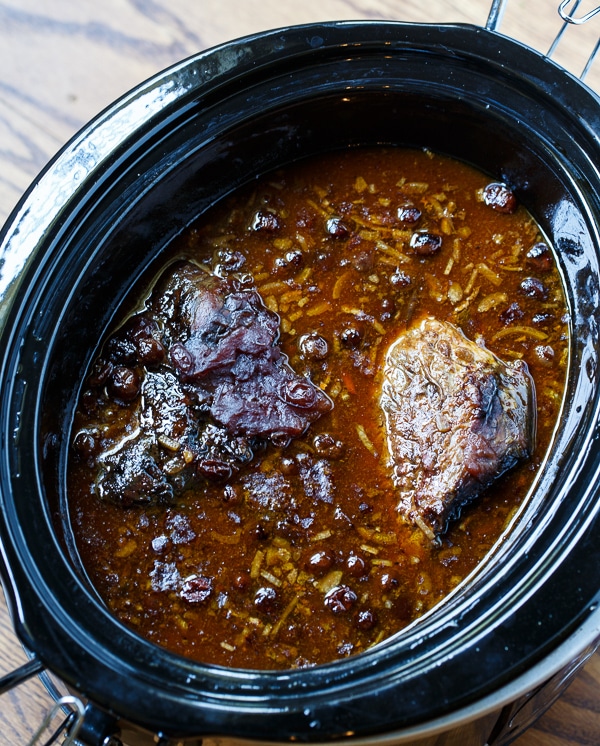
<point>300,556</point>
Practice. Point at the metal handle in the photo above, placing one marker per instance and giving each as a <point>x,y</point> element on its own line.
<point>72,708</point>
<point>70,726</point>
<point>569,17</point>
<point>495,15</point>
<point>20,675</point>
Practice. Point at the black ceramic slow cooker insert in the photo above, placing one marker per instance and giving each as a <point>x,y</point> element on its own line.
<point>105,209</point>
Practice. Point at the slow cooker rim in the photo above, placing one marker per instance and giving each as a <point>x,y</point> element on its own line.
<point>375,23</point>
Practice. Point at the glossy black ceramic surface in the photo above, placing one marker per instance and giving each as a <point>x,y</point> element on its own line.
<point>99,217</point>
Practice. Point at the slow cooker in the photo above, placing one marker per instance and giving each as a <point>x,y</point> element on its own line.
<point>493,656</point>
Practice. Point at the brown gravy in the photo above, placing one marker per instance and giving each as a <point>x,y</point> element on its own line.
<point>301,558</point>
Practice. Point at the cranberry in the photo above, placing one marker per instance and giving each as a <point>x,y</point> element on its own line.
<point>140,326</point>
<point>313,346</point>
<point>290,262</point>
<point>511,314</point>
<point>214,469</point>
<point>295,258</point>
<point>121,351</point>
<point>326,445</point>
<point>500,198</point>
<point>340,599</point>
<point>265,598</point>
<point>337,228</point>
<point>545,353</point>
<point>280,439</point>
<point>534,288</point>
<point>351,337</point>
<point>231,495</point>
<point>100,373</point>
<point>388,309</point>
<point>409,214</point>
<point>363,261</point>
<point>320,562</point>
<point>241,582</point>
<point>124,383</point>
<point>305,219</point>
<point>366,620</point>
<point>196,589</point>
<point>400,279</point>
<point>389,581</point>
<point>86,445</point>
<point>356,566</point>
<point>150,351</point>
<point>89,401</point>
<point>539,257</point>
<point>425,243</point>
<point>265,221</point>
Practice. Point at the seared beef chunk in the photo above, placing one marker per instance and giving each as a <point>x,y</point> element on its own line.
<point>211,386</point>
<point>222,345</point>
<point>456,416</point>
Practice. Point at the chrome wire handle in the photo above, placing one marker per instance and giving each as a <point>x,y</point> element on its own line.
<point>495,15</point>
<point>70,725</point>
<point>71,707</point>
<point>569,17</point>
<point>497,11</point>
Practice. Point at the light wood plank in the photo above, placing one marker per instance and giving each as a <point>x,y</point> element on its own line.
<point>62,61</point>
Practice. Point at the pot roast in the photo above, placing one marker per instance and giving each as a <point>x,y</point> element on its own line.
<point>457,417</point>
<point>205,385</point>
<point>221,506</point>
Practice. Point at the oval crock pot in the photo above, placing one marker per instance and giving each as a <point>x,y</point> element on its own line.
<point>484,663</point>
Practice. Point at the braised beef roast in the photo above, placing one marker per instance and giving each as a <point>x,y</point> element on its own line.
<point>457,417</point>
<point>199,384</point>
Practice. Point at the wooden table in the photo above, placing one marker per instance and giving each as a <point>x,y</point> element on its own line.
<point>62,61</point>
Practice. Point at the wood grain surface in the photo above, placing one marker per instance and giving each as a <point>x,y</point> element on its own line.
<point>63,61</point>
